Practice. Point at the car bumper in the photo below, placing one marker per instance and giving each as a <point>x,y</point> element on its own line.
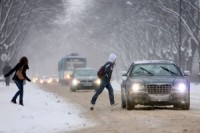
<point>144,98</point>
<point>84,87</point>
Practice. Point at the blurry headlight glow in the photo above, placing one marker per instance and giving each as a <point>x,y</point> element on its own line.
<point>75,82</point>
<point>34,79</point>
<point>41,81</point>
<point>67,76</point>
<point>180,87</point>
<point>49,81</point>
<point>137,87</point>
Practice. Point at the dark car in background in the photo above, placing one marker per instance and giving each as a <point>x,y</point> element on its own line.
<point>155,83</point>
<point>84,79</point>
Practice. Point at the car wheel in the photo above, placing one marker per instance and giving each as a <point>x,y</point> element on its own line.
<point>72,89</point>
<point>123,103</point>
<point>185,107</point>
<point>129,104</point>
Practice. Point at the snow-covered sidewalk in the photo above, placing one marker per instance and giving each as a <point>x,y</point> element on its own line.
<point>42,112</point>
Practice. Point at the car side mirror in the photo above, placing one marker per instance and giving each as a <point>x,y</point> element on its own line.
<point>124,75</point>
<point>186,73</point>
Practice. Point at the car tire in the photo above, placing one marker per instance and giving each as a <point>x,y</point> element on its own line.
<point>123,103</point>
<point>185,107</point>
<point>72,90</point>
<point>129,104</point>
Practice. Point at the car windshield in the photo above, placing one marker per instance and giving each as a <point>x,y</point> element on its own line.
<point>155,70</point>
<point>86,72</point>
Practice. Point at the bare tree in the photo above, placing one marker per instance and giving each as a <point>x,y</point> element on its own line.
<point>18,16</point>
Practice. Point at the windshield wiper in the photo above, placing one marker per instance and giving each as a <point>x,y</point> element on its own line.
<point>169,71</point>
<point>147,71</point>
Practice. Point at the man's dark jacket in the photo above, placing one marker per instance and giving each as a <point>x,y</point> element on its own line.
<point>107,71</point>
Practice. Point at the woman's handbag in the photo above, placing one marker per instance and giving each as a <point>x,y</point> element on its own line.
<point>19,73</point>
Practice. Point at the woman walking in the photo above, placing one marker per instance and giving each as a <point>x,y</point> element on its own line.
<point>18,78</point>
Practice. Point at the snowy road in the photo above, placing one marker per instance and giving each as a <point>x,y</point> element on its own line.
<point>141,120</point>
<point>64,111</point>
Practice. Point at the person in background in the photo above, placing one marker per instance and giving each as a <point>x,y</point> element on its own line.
<point>6,69</point>
<point>23,65</point>
<point>105,81</point>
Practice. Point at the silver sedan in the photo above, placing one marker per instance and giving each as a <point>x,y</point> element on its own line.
<point>155,82</point>
<point>84,78</point>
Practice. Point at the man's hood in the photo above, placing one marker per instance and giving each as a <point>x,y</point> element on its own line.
<point>112,57</point>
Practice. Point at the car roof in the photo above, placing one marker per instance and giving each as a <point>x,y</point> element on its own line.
<point>153,61</point>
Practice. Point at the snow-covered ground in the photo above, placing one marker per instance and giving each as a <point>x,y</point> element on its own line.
<point>47,113</point>
<point>42,112</point>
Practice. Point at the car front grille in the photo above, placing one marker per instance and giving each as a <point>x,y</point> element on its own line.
<point>159,89</point>
<point>87,81</point>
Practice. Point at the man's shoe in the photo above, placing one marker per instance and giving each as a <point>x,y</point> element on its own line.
<point>92,107</point>
<point>21,104</point>
<point>114,104</point>
<point>13,101</point>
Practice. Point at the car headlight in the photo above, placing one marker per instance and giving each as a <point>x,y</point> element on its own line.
<point>67,76</point>
<point>34,80</point>
<point>97,81</point>
<point>181,87</point>
<point>136,87</point>
<point>41,81</point>
<point>75,82</point>
<point>49,81</point>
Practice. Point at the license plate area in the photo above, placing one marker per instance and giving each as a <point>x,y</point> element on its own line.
<point>159,98</point>
<point>87,84</point>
